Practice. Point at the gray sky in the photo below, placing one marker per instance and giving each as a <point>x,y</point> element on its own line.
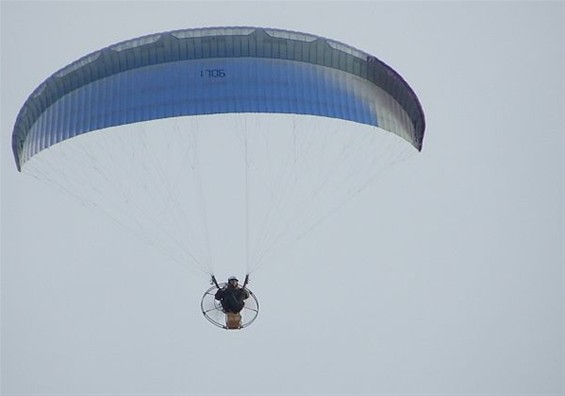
<point>444,277</point>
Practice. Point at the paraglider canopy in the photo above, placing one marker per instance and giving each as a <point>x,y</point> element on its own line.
<point>211,71</point>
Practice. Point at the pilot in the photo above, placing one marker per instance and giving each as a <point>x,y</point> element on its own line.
<point>232,296</point>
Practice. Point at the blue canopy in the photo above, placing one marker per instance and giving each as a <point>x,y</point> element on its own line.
<point>216,70</point>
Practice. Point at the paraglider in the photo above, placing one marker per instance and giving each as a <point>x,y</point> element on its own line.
<point>151,162</point>
<point>231,300</point>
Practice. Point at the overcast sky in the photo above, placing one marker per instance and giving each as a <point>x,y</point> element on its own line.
<point>445,277</point>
